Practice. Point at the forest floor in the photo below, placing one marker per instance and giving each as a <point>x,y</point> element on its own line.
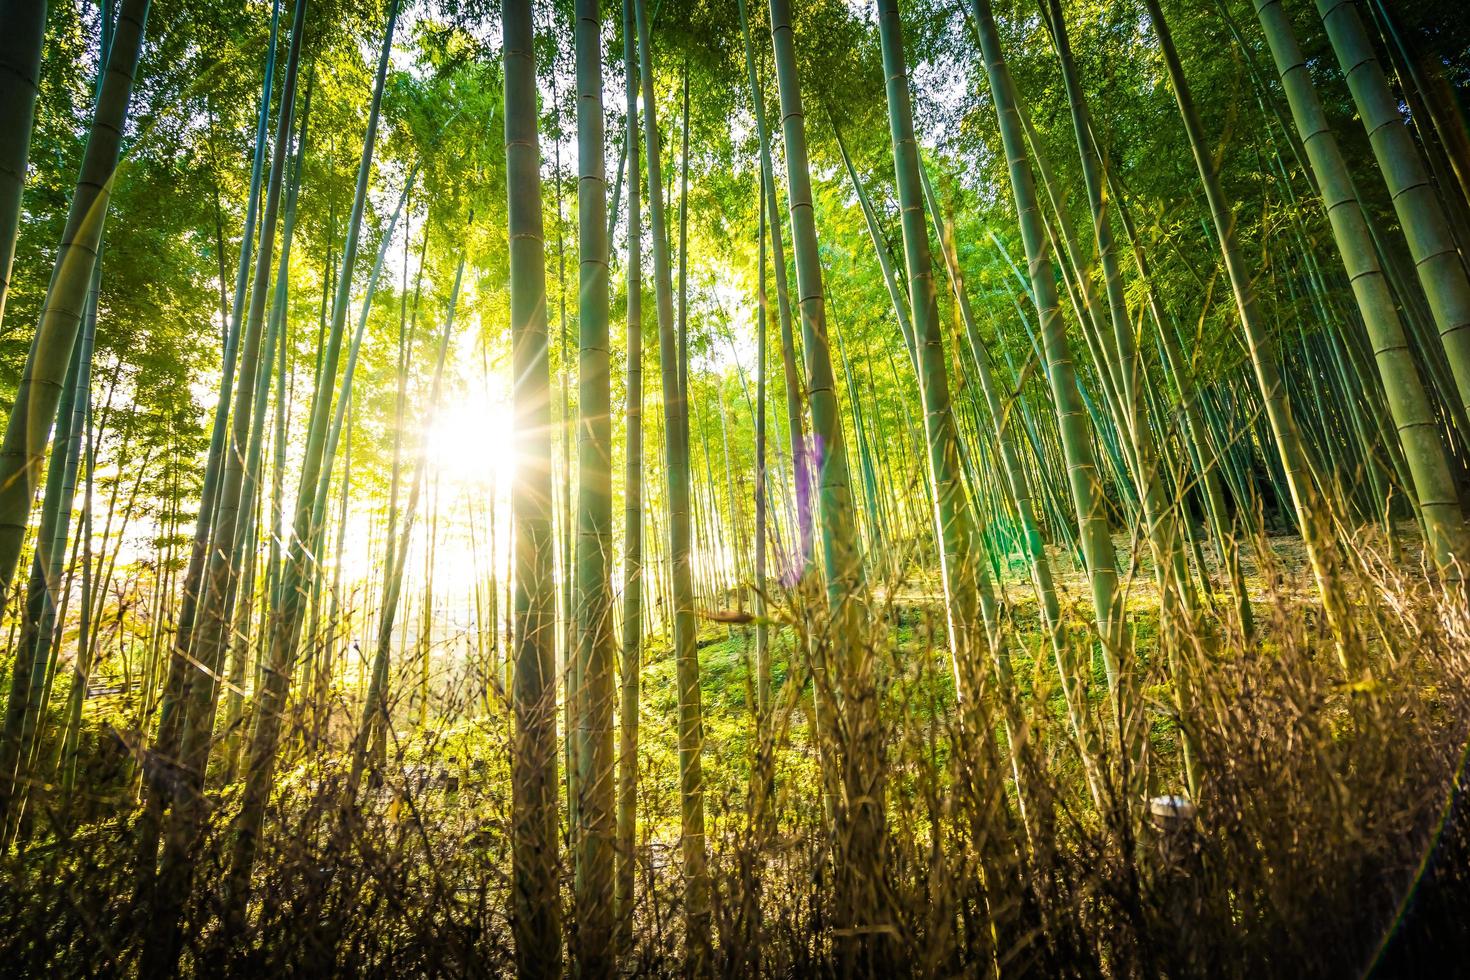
<point>1321,822</point>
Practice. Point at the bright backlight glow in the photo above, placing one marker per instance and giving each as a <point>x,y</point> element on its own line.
<point>471,442</point>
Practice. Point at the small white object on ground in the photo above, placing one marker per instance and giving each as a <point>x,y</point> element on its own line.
<point>1170,812</point>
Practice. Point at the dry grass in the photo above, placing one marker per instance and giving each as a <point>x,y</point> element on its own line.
<point>1328,839</point>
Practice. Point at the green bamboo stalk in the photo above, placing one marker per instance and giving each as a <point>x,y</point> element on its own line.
<point>201,690</point>
<point>244,560</point>
<point>81,670</point>
<point>874,537</point>
<point>861,852</point>
<point>374,714</point>
<point>170,717</point>
<point>1436,96</point>
<point>969,593</point>
<point>1204,458</point>
<point>562,518</point>
<point>677,489</point>
<point>20,75</point>
<point>593,887</point>
<point>1417,428</point>
<point>736,543</point>
<point>287,617</point>
<point>1019,491</point>
<point>1161,527</point>
<point>1307,505</point>
<point>318,513</point>
<point>758,590</point>
<point>683,287</point>
<point>1083,479</point>
<point>632,638</point>
<point>536,919</point>
<point>234,508</point>
<point>39,634</point>
<point>33,649</point>
<point>1161,519</point>
<point>28,429</point>
<point>880,250</point>
<point>795,418</point>
<point>1437,261</point>
<point>1081,294</point>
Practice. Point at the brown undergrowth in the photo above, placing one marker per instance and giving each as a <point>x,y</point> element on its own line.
<point>1328,838</point>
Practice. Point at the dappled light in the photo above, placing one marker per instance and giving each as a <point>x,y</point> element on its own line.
<point>691,488</point>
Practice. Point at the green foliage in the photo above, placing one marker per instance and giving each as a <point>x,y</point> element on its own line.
<point>424,886</point>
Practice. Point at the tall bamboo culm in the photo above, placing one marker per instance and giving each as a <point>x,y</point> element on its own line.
<point>676,473</point>
<point>632,625</point>
<point>1072,418</point>
<point>1308,506</point>
<point>20,75</point>
<point>1418,431</point>
<point>28,430</point>
<point>299,572</point>
<point>843,662</point>
<point>536,918</point>
<point>592,596</point>
<point>1441,269</point>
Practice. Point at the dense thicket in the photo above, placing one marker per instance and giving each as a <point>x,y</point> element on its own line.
<point>798,487</point>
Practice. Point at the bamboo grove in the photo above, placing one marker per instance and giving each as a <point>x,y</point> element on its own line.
<point>794,487</point>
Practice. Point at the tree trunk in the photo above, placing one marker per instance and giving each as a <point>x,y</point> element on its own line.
<point>1436,258</point>
<point>536,917</point>
<point>287,618</point>
<point>1085,484</point>
<point>861,857</point>
<point>795,419</point>
<point>1418,430</point>
<point>676,472</point>
<point>1307,504</point>
<point>20,75</point>
<point>596,911</point>
<point>632,639</point>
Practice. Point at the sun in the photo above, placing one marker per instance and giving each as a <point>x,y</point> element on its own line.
<point>470,440</point>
